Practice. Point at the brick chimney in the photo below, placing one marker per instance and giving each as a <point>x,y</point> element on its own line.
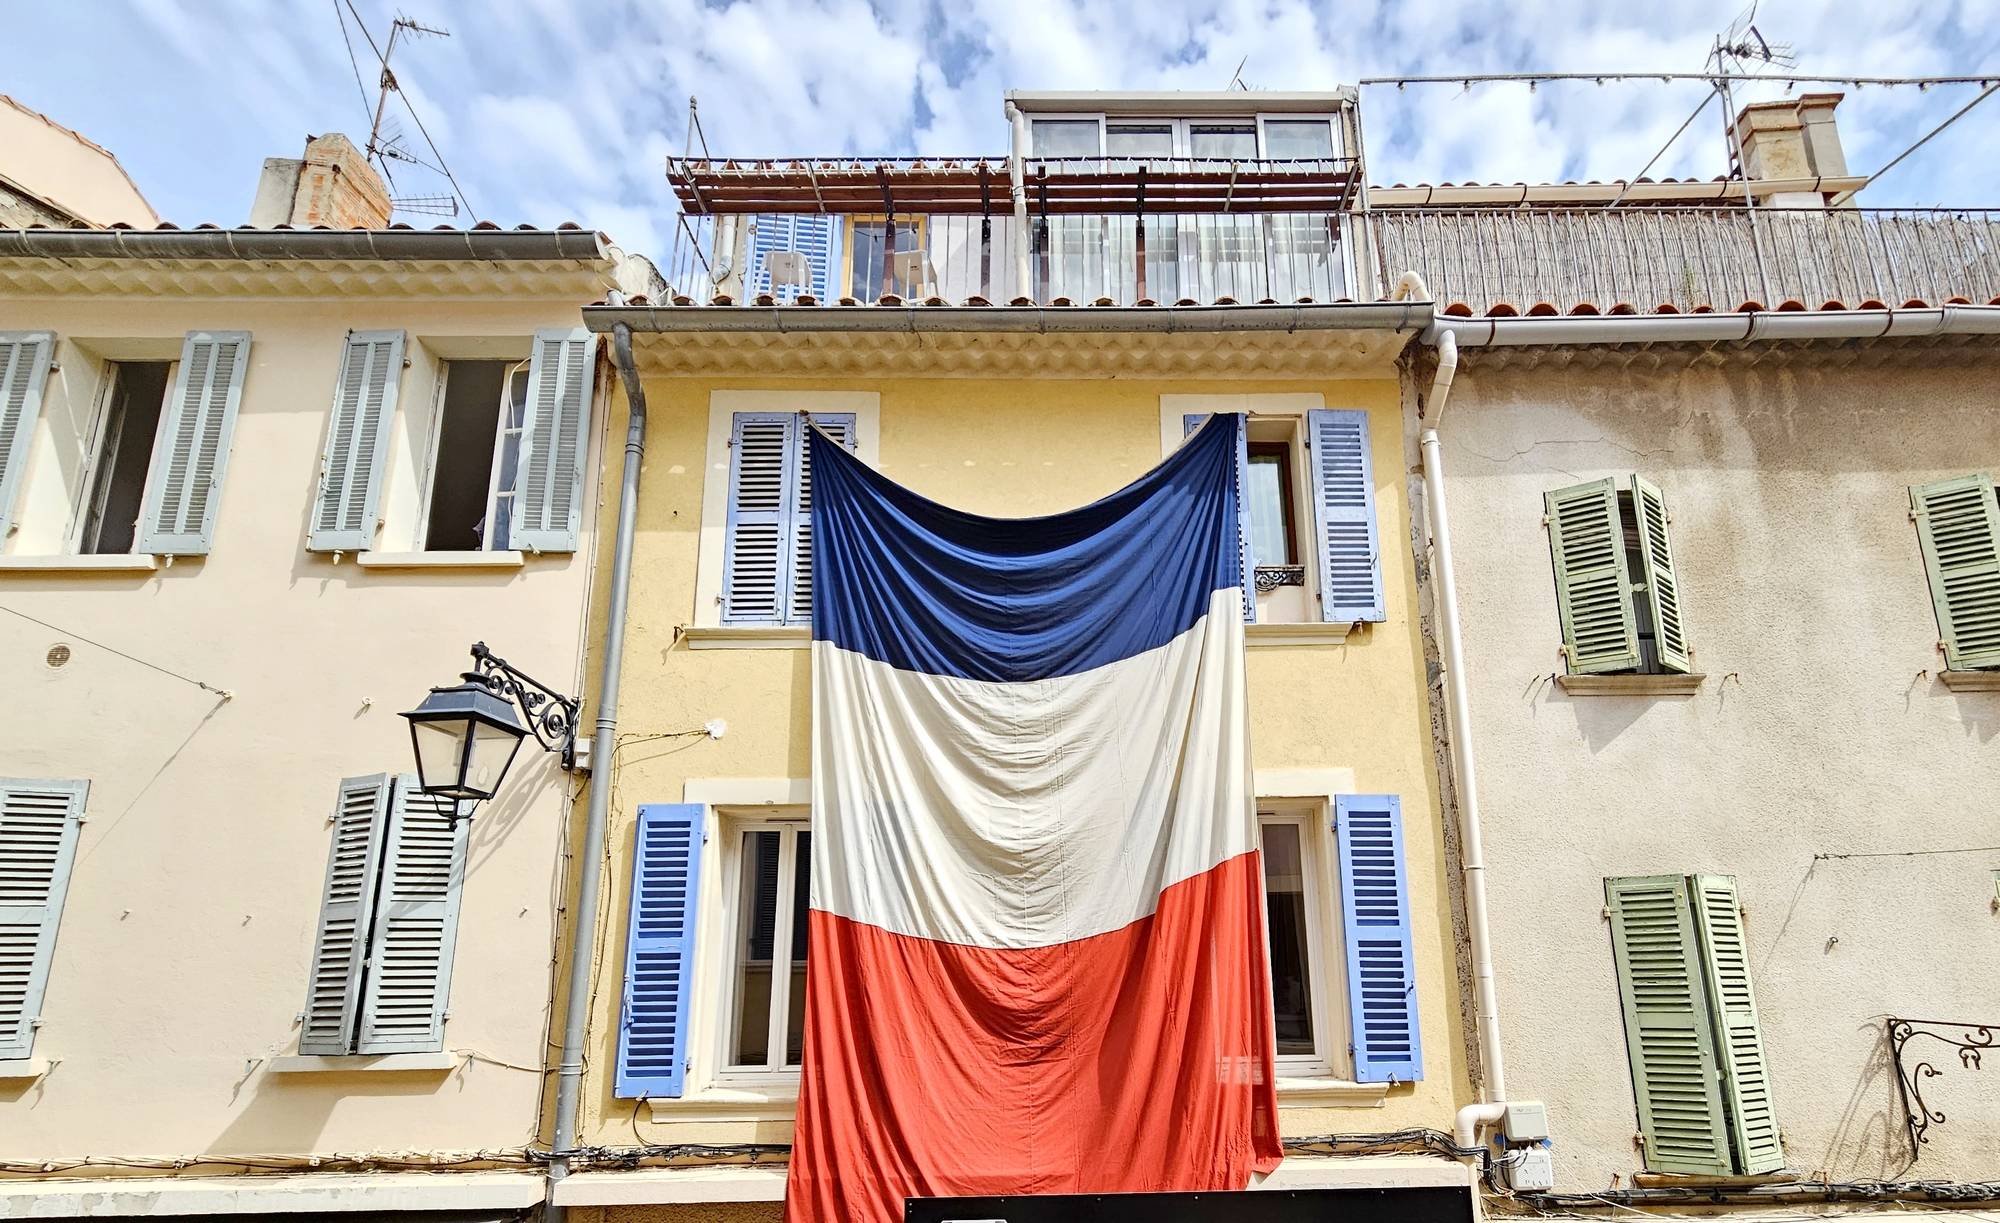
<point>332,185</point>
<point>1792,138</point>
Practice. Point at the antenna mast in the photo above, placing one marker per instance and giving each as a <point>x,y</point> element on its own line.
<point>383,149</point>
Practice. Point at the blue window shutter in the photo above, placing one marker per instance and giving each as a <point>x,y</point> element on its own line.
<point>555,441</point>
<point>357,442</point>
<point>415,924</point>
<point>1350,553</point>
<point>347,905</point>
<point>762,450</point>
<point>659,952</point>
<point>39,822</point>
<point>184,488</point>
<point>24,371</point>
<point>1381,961</point>
<point>839,425</point>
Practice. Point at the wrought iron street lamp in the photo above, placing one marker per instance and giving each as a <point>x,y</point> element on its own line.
<point>466,735</point>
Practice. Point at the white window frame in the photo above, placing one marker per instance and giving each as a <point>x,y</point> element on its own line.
<point>734,827</point>
<point>706,627</point>
<point>1071,117</point>
<point>427,480</point>
<point>1313,819</point>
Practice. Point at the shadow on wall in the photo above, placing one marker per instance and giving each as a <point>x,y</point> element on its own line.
<point>1872,1139</point>
<point>289,1112</point>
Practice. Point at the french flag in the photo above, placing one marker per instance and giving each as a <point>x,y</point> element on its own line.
<point>1036,945</point>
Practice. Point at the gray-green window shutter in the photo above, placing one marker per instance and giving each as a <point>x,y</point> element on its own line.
<point>357,442</point>
<point>1958,527</point>
<point>1593,586</point>
<point>340,948</point>
<point>184,488</point>
<point>555,441</point>
<point>1746,1077</point>
<point>1667,1031</point>
<point>416,924</point>
<point>24,371</point>
<point>39,821</point>
<point>1663,587</point>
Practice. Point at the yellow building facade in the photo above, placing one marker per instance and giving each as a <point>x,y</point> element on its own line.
<point>1017,422</point>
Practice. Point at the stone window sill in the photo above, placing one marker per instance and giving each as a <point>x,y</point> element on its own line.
<point>440,560</point>
<point>117,562</point>
<point>1631,685</point>
<point>747,636</point>
<point>19,1068</point>
<point>777,1102</point>
<point>1971,681</point>
<point>1313,632</point>
<point>379,1063</point>
<point>1328,1092</point>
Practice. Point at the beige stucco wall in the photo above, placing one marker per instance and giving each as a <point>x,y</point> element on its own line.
<point>1822,729</point>
<point>180,967</point>
<point>1012,446</point>
<point>55,166</point>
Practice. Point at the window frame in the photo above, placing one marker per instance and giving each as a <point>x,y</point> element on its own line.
<point>427,475</point>
<point>1325,962</point>
<point>735,827</point>
<point>93,467</point>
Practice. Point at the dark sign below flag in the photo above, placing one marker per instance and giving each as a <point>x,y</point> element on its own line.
<point>1400,1205</point>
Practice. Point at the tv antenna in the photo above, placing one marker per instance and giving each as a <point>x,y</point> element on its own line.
<point>1236,77</point>
<point>385,144</point>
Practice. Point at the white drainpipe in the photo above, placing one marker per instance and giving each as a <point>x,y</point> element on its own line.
<point>1446,334</point>
<point>1024,285</point>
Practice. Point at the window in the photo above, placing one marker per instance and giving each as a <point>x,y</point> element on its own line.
<point>1699,1075</point>
<point>39,823</point>
<point>1617,592</point>
<point>1296,909</point>
<point>907,273</point>
<point>478,456</point>
<point>388,923</point>
<point>1065,137</point>
<point>1322,454</point>
<point>1236,141</point>
<point>767,559</point>
<point>767,910</point>
<point>124,453</point>
<point>1297,138</point>
<point>133,463</point>
<point>1958,530</point>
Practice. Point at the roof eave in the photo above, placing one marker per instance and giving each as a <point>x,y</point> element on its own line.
<point>1402,316</point>
<point>384,245</point>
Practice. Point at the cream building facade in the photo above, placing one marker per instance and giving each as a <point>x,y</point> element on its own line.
<point>260,489</point>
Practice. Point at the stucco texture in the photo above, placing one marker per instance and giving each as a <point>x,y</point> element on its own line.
<point>181,963</point>
<point>1011,447</point>
<point>1822,729</point>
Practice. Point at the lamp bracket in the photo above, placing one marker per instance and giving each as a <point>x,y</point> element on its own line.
<point>549,714</point>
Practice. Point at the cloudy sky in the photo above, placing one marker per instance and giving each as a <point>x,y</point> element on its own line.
<point>549,110</point>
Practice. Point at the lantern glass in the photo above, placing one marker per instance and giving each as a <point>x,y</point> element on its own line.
<point>488,752</point>
<point>464,738</point>
<point>440,750</point>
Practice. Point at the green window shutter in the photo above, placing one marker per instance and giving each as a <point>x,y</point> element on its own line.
<point>1663,587</point>
<point>340,948</point>
<point>1958,527</point>
<point>840,427</point>
<point>1593,586</point>
<point>39,822</point>
<point>24,371</point>
<point>555,441</point>
<point>1667,1032</point>
<point>1746,1078</point>
<point>357,442</point>
<point>415,924</point>
<point>184,488</point>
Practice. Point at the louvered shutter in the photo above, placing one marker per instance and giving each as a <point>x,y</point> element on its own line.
<point>184,487</point>
<point>1350,553</point>
<point>415,924</point>
<point>1381,958</point>
<point>357,442</point>
<point>24,371</point>
<point>1663,587</point>
<point>1958,527</point>
<point>555,441</point>
<point>1667,1031</point>
<point>1191,421</point>
<point>340,948</point>
<point>1746,1078</point>
<point>1593,585</point>
<point>840,427</point>
<point>39,822</point>
<point>761,473</point>
<point>659,952</point>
